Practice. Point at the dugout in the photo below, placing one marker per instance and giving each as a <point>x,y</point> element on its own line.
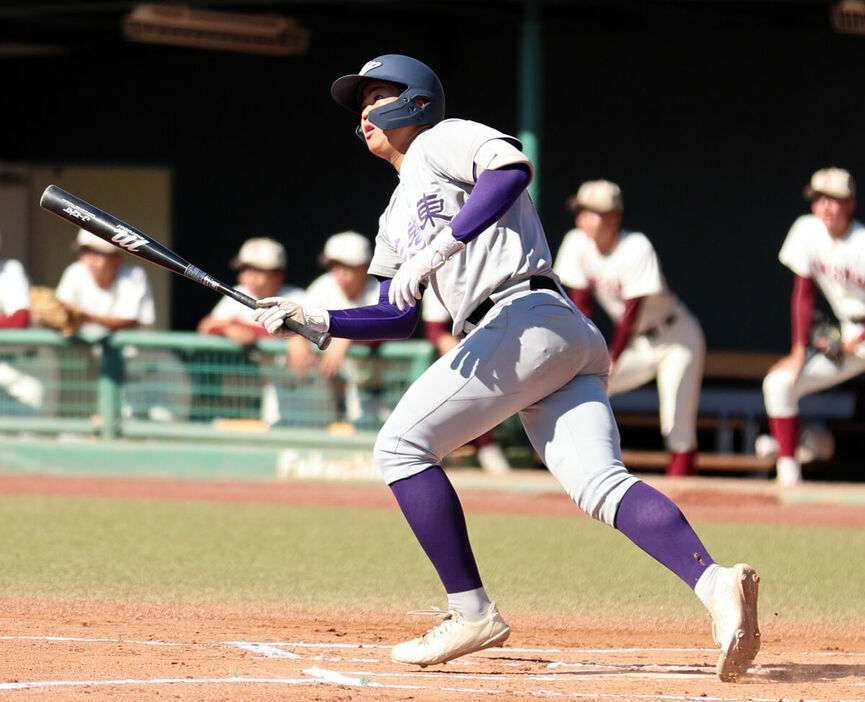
<point>710,114</point>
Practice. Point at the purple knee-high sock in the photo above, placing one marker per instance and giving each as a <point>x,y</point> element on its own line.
<point>434,513</point>
<point>652,521</point>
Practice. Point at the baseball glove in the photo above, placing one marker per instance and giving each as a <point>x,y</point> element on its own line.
<point>826,339</point>
<point>48,311</point>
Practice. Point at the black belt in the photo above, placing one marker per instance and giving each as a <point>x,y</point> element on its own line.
<point>536,282</point>
<point>654,332</point>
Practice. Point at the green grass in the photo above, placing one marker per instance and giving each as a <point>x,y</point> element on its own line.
<point>288,556</point>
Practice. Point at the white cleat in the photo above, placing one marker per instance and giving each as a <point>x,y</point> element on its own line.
<point>788,471</point>
<point>734,620</point>
<point>452,638</point>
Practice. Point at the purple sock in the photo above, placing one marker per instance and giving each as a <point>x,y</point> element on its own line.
<point>653,522</point>
<point>434,513</point>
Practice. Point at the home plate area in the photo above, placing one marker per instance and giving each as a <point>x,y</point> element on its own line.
<point>295,670</point>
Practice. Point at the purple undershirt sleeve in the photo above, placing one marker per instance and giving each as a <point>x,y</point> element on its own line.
<point>494,193</point>
<point>375,322</point>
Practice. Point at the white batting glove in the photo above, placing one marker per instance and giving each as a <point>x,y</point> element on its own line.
<point>273,311</point>
<point>405,287</point>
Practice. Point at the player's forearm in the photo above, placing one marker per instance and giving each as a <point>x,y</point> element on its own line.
<point>802,304</point>
<point>582,298</point>
<point>374,322</point>
<point>625,328</point>
<point>113,323</point>
<point>223,327</point>
<point>493,195</point>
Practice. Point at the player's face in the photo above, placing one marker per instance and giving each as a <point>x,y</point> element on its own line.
<point>600,227</point>
<point>260,282</point>
<point>101,266</point>
<point>392,144</point>
<point>834,213</point>
<point>350,279</point>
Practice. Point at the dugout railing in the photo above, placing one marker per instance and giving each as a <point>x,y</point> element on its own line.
<point>184,385</point>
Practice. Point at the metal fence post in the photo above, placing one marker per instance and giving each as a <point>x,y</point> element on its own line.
<point>110,382</point>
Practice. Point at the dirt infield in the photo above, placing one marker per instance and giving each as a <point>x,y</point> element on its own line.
<point>87,650</point>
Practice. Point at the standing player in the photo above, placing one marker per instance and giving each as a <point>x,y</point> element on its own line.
<point>827,249</point>
<point>655,334</point>
<point>461,223</point>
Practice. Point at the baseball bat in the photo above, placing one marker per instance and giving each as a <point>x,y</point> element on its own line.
<point>124,236</point>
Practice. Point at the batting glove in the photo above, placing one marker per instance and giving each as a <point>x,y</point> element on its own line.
<point>273,311</point>
<point>405,287</point>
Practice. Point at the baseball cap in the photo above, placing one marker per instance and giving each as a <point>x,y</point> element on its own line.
<point>834,182</point>
<point>86,240</point>
<point>597,195</point>
<point>260,252</point>
<point>348,248</point>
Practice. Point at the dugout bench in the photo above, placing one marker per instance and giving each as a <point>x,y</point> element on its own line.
<point>731,415</point>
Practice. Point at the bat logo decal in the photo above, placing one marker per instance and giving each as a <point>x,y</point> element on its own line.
<point>77,213</point>
<point>127,239</point>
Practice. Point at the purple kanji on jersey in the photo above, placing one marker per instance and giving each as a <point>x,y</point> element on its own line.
<point>428,208</point>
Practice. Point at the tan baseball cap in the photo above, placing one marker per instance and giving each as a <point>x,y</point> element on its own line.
<point>86,240</point>
<point>348,248</point>
<point>597,195</point>
<point>834,182</point>
<point>261,252</point>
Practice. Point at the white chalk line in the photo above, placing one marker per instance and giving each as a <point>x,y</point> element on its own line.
<point>274,646</point>
<point>319,675</point>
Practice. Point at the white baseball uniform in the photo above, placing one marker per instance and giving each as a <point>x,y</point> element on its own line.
<point>324,292</point>
<point>838,267</point>
<point>14,287</point>
<point>228,309</point>
<point>668,342</point>
<point>532,353</point>
<point>128,297</point>
<point>16,386</point>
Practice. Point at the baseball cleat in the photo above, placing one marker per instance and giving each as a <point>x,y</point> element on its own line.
<point>452,638</point>
<point>734,620</point>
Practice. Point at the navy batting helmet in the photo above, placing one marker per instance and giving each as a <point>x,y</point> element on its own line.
<point>417,80</point>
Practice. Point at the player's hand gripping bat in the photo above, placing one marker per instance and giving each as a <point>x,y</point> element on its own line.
<point>126,237</point>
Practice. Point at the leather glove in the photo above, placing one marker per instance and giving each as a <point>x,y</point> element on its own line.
<point>273,311</point>
<point>405,287</point>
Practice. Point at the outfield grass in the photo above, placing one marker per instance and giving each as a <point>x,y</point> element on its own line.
<point>365,559</point>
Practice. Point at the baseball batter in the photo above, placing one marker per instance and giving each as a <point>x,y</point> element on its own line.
<point>655,335</point>
<point>461,224</point>
<point>825,250</point>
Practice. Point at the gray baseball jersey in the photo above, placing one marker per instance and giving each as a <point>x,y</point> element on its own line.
<point>533,353</point>
<point>436,177</point>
